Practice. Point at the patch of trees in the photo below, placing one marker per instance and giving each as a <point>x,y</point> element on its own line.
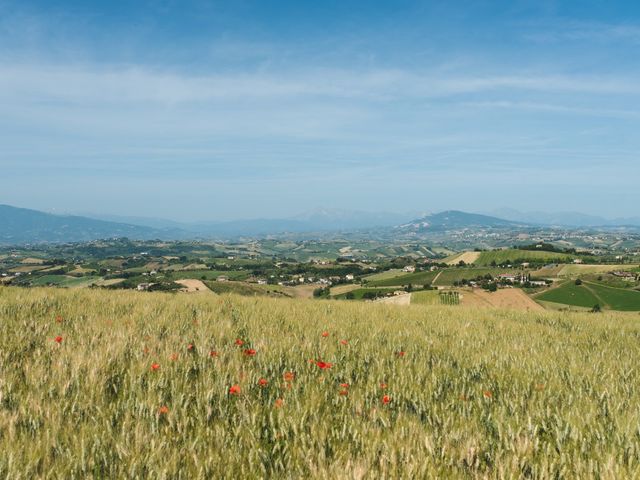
<point>322,292</point>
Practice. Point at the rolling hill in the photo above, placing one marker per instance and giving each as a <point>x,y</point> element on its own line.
<point>21,225</point>
<point>456,220</point>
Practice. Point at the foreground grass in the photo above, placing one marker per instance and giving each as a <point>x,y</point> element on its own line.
<point>478,394</point>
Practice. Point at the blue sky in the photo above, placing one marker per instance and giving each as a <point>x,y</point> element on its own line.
<point>197,110</point>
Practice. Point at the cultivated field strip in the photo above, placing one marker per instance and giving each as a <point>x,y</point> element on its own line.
<point>97,384</point>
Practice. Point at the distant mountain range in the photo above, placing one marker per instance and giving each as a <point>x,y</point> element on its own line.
<point>565,219</point>
<point>317,220</point>
<point>20,225</point>
<point>454,220</point>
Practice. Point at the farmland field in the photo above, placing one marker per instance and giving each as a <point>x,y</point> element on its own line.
<point>570,294</point>
<point>590,293</point>
<point>569,270</point>
<point>466,257</point>
<point>375,277</point>
<point>416,278</point>
<point>127,384</point>
<point>509,298</point>
<point>448,276</point>
<point>339,289</point>
<point>443,277</point>
<point>616,298</point>
<point>359,293</point>
<point>425,297</point>
<point>208,274</point>
<point>66,281</point>
<point>517,256</point>
<point>243,288</point>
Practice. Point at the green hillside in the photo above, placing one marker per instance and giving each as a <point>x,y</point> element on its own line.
<point>570,294</point>
<point>417,278</point>
<point>616,298</point>
<point>590,294</point>
<point>513,256</point>
<point>451,275</point>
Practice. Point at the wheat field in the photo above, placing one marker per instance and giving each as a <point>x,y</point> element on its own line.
<point>97,384</point>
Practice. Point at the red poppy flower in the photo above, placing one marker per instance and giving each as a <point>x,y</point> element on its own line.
<point>289,376</point>
<point>383,386</point>
<point>344,342</point>
<point>487,394</point>
<point>263,382</point>
<point>386,399</point>
<point>163,410</point>
<point>344,393</point>
<point>279,402</point>
<point>344,385</point>
<point>239,342</point>
<point>325,334</point>
<point>234,389</point>
<point>213,353</point>
<point>190,347</point>
<point>249,352</point>
<point>174,356</point>
<point>155,366</point>
<point>324,365</point>
<point>58,339</point>
<point>400,353</point>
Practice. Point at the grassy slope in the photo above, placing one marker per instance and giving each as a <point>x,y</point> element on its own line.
<point>560,402</point>
<point>375,277</point>
<point>426,297</point>
<point>444,277</point>
<point>66,281</point>
<point>208,274</point>
<point>417,278</point>
<point>570,294</point>
<point>358,293</point>
<point>590,294</point>
<point>243,288</point>
<point>616,298</point>
<point>569,270</point>
<point>502,256</point>
<point>447,277</point>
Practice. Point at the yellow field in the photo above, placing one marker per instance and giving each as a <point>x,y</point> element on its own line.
<point>32,261</point>
<point>28,268</point>
<point>466,257</point>
<point>395,272</point>
<point>131,389</point>
<point>340,289</point>
<point>569,270</point>
<point>507,298</point>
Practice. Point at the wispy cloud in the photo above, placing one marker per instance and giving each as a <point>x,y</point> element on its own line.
<point>336,115</point>
<point>92,85</point>
<point>586,31</point>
